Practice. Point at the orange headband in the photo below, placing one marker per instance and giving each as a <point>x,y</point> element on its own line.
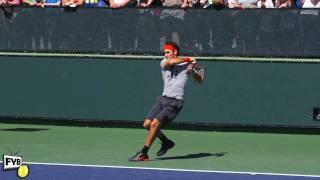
<point>169,46</point>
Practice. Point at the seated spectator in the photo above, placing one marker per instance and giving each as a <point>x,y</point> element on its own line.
<point>208,3</point>
<point>144,3</point>
<point>115,4</point>
<point>205,3</point>
<point>95,3</point>
<point>283,3</point>
<point>176,3</point>
<point>265,4</point>
<point>299,3</point>
<point>148,3</point>
<point>168,3</point>
<point>38,3</point>
<point>190,3</point>
<point>10,2</point>
<point>242,4</point>
<point>52,3</point>
<point>311,4</point>
<point>72,3</point>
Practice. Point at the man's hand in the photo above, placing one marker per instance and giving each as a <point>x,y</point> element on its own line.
<point>192,62</point>
<point>190,67</point>
<point>196,71</point>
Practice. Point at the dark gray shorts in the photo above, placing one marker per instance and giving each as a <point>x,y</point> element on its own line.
<point>165,109</point>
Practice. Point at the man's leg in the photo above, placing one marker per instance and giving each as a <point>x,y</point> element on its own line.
<point>153,131</point>
<point>157,116</point>
<point>160,135</point>
<point>166,143</point>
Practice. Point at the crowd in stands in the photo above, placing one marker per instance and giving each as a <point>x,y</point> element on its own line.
<point>184,4</point>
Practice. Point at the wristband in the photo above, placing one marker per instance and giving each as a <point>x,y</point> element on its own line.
<point>186,59</point>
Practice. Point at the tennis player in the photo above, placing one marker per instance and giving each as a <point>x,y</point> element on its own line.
<point>175,72</point>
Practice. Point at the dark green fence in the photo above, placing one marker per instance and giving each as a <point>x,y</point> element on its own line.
<point>205,32</point>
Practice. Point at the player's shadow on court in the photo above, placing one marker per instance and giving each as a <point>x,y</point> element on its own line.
<point>24,129</point>
<point>193,156</point>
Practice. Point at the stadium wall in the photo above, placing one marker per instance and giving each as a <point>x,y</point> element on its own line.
<point>200,32</point>
<point>234,93</point>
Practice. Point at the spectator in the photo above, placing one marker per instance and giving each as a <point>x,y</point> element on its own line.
<point>144,3</point>
<point>115,4</point>
<point>242,4</point>
<point>177,3</point>
<point>215,3</point>
<point>72,3</point>
<point>283,3</point>
<point>95,3</point>
<point>9,2</point>
<point>168,3</point>
<point>205,3</point>
<point>299,3</point>
<point>189,3</point>
<point>38,3</point>
<point>311,4</point>
<point>265,4</point>
<point>52,3</point>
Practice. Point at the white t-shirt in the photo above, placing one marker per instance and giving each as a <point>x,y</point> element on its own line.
<point>308,4</point>
<point>268,4</point>
<point>174,79</point>
<point>118,1</point>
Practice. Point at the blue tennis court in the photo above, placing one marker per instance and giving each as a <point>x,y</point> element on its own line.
<point>39,171</point>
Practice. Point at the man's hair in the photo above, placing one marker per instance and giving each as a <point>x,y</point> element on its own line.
<point>175,45</point>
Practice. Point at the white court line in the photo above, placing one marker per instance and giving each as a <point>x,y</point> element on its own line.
<point>168,169</point>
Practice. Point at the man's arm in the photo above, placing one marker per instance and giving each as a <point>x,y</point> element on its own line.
<point>174,61</point>
<point>197,73</point>
<point>199,76</point>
